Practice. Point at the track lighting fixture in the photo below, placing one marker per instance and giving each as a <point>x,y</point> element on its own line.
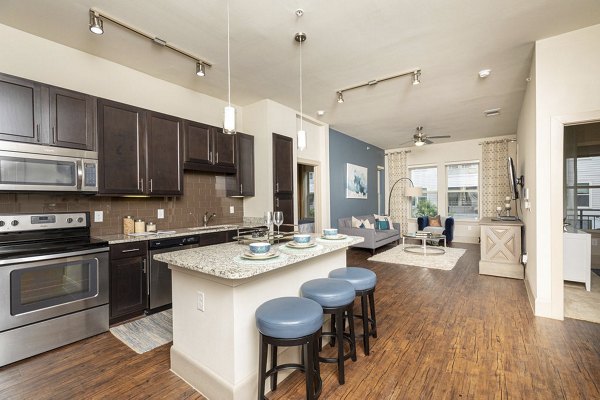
<point>96,23</point>
<point>416,74</point>
<point>200,69</point>
<point>416,77</point>
<point>97,26</point>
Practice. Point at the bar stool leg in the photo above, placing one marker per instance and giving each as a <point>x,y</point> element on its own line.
<point>263,367</point>
<point>332,338</point>
<point>365,322</point>
<point>352,333</point>
<point>339,318</point>
<point>273,364</point>
<point>308,351</point>
<point>373,318</point>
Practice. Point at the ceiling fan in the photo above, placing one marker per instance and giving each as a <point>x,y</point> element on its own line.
<point>420,139</point>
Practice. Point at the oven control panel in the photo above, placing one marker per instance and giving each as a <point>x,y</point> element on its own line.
<point>35,222</point>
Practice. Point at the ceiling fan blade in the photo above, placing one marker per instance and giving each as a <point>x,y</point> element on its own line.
<point>428,141</point>
<point>405,143</point>
<point>439,137</point>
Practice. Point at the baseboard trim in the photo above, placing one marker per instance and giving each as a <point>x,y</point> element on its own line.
<point>529,294</point>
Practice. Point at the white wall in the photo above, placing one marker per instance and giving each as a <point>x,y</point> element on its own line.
<point>267,117</point>
<point>567,90</point>
<point>439,155</point>
<point>32,57</point>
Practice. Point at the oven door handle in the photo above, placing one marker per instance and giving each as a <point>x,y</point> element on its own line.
<point>79,174</point>
<point>52,256</point>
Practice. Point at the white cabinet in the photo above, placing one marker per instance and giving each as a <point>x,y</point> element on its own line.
<point>501,248</point>
<point>577,257</point>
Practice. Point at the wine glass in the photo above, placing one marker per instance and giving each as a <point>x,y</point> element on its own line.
<point>268,219</point>
<point>278,219</point>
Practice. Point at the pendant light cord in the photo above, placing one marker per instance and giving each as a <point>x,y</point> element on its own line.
<point>228,61</point>
<point>301,84</point>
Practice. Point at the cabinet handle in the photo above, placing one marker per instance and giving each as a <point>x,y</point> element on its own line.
<point>142,185</point>
<point>216,162</point>
<point>129,250</point>
<point>210,156</point>
<point>144,265</point>
<point>37,132</point>
<point>150,185</point>
<point>53,135</point>
<point>241,188</point>
<point>277,202</point>
<point>277,187</point>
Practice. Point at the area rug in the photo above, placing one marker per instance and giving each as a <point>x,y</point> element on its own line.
<point>581,304</point>
<point>397,255</point>
<point>146,333</point>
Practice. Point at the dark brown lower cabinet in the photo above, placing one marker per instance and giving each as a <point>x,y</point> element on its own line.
<point>128,288</point>
<point>285,203</point>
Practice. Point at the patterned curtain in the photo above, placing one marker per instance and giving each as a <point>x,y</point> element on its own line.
<point>399,204</point>
<point>494,177</point>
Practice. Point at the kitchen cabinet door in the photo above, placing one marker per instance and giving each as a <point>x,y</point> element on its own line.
<point>198,142</point>
<point>224,149</point>
<point>128,295</point>
<point>121,148</point>
<point>284,202</point>
<point>242,183</point>
<point>165,147</point>
<point>283,164</point>
<point>71,119</point>
<point>20,110</point>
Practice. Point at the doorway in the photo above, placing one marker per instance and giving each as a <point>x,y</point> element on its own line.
<point>307,204</point>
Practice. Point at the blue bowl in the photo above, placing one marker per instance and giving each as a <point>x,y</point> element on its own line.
<point>260,248</point>
<point>330,232</point>
<point>302,238</point>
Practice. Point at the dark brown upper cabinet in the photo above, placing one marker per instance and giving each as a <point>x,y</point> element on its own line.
<point>20,110</point>
<point>283,164</point>
<point>208,149</point>
<point>32,112</point>
<point>242,183</point>
<point>139,151</point>
<point>71,119</point>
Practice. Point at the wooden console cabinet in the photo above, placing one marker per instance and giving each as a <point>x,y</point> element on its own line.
<point>501,248</point>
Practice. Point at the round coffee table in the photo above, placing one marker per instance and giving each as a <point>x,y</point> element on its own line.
<point>424,249</point>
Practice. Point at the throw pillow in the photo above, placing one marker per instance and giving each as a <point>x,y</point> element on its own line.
<point>383,222</point>
<point>368,225</point>
<point>435,221</point>
<point>356,222</point>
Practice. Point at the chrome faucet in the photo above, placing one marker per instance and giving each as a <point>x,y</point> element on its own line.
<point>206,218</point>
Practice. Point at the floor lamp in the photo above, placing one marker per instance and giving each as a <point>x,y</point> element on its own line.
<point>411,191</point>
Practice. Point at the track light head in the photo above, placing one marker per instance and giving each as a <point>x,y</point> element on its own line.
<point>340,97</point>
<point>200,71</point>
<point>416,77</point>
<point>96,25</point>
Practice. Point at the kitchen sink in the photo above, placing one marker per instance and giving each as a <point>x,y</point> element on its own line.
<point>204,228</point>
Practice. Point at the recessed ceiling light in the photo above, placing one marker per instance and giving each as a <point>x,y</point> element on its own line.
<point>320,113</point>
<point>484,73</point>
<point>492,112</point>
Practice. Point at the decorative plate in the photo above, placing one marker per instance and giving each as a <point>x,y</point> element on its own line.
<point>250,256</point>
<point>295,245</point>
<point>339,236</point>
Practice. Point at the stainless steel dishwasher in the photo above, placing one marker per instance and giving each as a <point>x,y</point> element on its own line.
<point>159,274</point>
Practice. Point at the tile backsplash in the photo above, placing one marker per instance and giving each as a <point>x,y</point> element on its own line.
<point>202,192</point>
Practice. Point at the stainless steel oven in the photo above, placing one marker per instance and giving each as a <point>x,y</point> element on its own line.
<point>26,167</point>
<point>53,283</point>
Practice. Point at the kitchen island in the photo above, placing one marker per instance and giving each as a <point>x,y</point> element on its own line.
<point>215,295</point>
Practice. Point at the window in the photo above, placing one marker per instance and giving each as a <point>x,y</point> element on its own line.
<point>463,190</point>
<point>583,194</point>
<point>427,203</point>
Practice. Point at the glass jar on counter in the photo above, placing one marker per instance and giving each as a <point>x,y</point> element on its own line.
<point>150,227</point>
<point>128,225</point>
<point>140,226</point>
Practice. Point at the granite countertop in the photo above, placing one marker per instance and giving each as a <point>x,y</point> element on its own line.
<point>120,238</point>
<point>493,221</point>
<point>224,261</point>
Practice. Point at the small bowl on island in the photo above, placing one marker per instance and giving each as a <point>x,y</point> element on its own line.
<point>260,248</point>
<point>330,232</point>
<point>302,238</point>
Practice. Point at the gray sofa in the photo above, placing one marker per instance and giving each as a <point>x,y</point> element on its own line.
<point>374,238</point>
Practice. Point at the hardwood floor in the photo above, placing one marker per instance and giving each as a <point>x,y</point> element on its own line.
<point>442,335</point>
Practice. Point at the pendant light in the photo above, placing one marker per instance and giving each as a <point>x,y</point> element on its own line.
<point>301,37</point>
<point>229,111</point>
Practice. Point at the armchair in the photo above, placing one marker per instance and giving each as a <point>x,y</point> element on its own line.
<point>447,229</point>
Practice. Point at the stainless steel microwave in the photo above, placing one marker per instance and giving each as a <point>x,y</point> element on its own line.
<point>27,167</point>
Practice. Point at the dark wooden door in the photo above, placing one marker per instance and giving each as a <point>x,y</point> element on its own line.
<point>283,164</point>
<point>165,143</point>
<point>197,143</point>
<point>242,183</point>
<point>284,202</point>
<point>20,110</point>
<point>71,119</point>
<point>224,149</point>
<point>121,148</point>
<point>128,294</point>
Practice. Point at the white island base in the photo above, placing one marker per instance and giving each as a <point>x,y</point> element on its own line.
<point>216,350</point>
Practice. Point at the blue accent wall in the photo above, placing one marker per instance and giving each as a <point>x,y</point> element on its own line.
<point>344,149</point>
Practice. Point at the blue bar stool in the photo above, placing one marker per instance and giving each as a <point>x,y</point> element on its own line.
<point>337,299</point>
<point>290,321</point>
<point>364,281</point>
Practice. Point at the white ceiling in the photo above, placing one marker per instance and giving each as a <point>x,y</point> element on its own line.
<point>349,42</point>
